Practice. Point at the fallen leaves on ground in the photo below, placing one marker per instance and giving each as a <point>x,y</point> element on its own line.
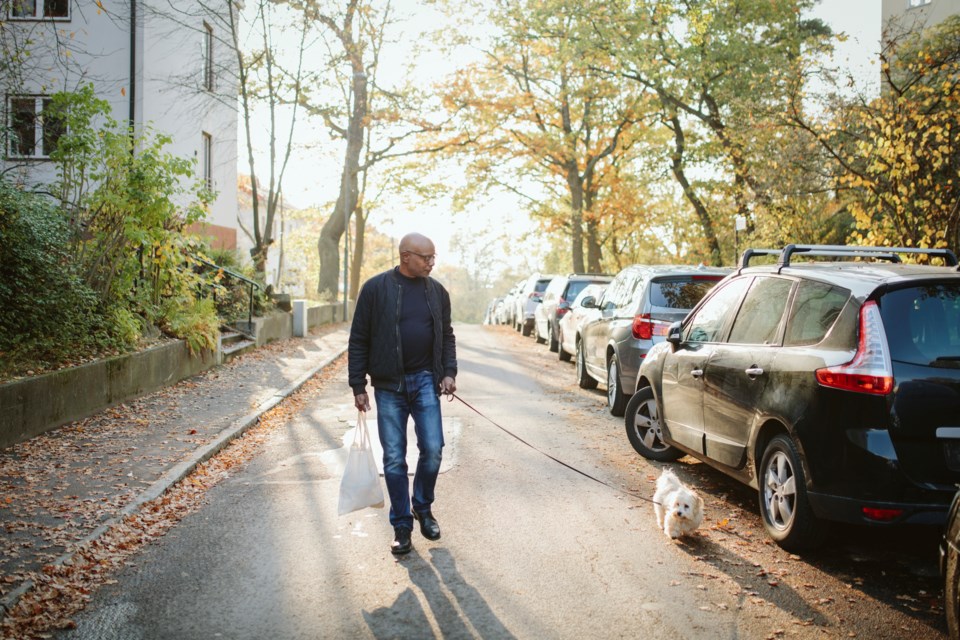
<point>44,514</point>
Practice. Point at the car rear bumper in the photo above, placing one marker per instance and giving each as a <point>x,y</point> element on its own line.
<point>851,510</point>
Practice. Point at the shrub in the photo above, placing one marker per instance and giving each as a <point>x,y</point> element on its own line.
<point>193,320</point>
<point>47,312</point>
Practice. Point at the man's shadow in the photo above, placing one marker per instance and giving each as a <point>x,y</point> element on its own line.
<point>465,615</point>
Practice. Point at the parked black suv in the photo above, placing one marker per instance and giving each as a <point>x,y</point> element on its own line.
<point>833,388</point>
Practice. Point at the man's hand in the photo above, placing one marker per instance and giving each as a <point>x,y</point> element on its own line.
<point>448,385</point>
<point>362,402</point>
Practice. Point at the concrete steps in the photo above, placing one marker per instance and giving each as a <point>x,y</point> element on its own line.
<point>234,342</point>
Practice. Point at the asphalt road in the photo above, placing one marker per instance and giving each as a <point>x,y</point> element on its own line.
<point>530,549</point>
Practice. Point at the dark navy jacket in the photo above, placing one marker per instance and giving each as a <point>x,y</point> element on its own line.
<point>374,347</point>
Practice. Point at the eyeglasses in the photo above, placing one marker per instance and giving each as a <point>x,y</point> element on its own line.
<point>431,258</point>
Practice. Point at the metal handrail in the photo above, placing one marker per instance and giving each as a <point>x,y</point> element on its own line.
<point>238,276</point>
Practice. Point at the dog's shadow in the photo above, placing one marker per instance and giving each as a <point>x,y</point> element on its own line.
<point>754,582</point>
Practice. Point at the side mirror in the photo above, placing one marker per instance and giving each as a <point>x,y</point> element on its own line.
<point>589,303</point>
<point>673,333</point>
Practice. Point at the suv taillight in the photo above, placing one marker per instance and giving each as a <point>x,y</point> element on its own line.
<point>645,327</point>
<point>870,370</point>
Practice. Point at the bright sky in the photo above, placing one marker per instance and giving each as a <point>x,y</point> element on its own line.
<point>860,21</point>
<point>312,178</point>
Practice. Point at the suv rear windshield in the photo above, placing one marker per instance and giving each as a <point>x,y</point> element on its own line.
<point>923,324</point>
<point>681,293</point>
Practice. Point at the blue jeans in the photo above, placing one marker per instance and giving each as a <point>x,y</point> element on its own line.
<point>418,399</point>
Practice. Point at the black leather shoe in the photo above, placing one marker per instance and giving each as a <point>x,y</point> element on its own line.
<point>428,525</point>
<point>401,541</point>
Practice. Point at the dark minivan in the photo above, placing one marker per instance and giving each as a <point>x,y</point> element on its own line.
<point>831,387</point>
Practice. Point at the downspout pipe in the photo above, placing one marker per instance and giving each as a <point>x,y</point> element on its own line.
<point>133,74</point>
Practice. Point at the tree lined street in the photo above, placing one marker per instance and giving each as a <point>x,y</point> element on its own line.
<point>529,548</point>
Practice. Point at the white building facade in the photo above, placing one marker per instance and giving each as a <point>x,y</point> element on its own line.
<point>164,66</point>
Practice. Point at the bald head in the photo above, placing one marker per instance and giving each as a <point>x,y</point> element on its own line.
<point>417,255</point>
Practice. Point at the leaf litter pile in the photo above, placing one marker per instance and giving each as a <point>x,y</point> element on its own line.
<point>59,488</point>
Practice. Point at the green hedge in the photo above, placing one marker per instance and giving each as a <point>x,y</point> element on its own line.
<point>46,310</point>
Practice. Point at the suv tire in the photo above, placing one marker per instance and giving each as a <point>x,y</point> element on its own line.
<point>583,378</point>
<point>784,507</point>
<point>616,400</point>
<point>536,333</point>
<point>562,355</point>
<point>644,429</point>
<point>552,339</point>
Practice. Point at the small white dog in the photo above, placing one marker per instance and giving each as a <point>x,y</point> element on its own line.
<point>679,510</point>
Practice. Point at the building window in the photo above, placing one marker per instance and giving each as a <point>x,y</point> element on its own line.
<point>39,9</point>
<point>207,57</point>
<point>33,127</point>
<point>917,3</point>
<point>207,160</point>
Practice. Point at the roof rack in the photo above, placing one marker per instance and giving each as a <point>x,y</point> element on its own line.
<point>891,254</point>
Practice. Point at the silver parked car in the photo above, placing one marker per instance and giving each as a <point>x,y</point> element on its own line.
<point>635,312</point>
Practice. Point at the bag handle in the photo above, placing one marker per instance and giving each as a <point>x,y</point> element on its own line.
<point>362,434</point>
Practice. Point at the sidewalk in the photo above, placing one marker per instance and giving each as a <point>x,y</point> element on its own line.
<point>66,486</point>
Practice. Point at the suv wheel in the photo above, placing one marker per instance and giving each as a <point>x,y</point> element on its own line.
<point>583,378</point>
<point>552,339</point>
<point>643,428</point>
<point>616,401</point>
<point>784,506</point>
<point>561,354</point>
<point>536,333</point>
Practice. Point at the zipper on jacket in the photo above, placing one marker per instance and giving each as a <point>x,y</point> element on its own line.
<point>397,329</point>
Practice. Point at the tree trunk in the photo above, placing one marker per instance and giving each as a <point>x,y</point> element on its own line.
<point>688,191</point>
<point>576,215</point>
<point>360,225</point>
<point>594,250</point>
<point>337,223</point>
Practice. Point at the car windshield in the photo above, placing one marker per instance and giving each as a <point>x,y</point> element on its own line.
<point>681,293</point>
<point>575,287</point>
<point>923,324</point>
<point>592,290</point>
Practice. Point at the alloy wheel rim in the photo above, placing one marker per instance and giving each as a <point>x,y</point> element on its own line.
<point>646,424</point>
<point>611,382</point>
<point>780,491</point>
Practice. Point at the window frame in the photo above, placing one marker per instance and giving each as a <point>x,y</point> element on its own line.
<point>39,8</point>
<point>206,159</point>
<point>723,327</point>
<point>916,4</point>
<point>209,74</point>
<point>750,314</point>
<point>41,102</point>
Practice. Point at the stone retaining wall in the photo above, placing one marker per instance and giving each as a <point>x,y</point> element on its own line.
<point>35,405</point>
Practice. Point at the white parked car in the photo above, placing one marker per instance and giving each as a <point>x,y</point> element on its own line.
<point>572,323</point>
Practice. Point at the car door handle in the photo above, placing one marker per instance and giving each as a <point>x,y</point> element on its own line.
<point>697,373</point>
<point>753,372</point>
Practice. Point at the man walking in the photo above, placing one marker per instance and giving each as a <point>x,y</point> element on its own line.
<point>402,338</point>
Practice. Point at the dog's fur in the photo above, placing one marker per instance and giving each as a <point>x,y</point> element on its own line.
<point>679,509</point>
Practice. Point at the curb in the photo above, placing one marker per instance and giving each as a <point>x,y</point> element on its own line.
<point>177,473</point>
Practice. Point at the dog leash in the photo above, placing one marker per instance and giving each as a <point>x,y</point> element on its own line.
<point>544,453</point>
